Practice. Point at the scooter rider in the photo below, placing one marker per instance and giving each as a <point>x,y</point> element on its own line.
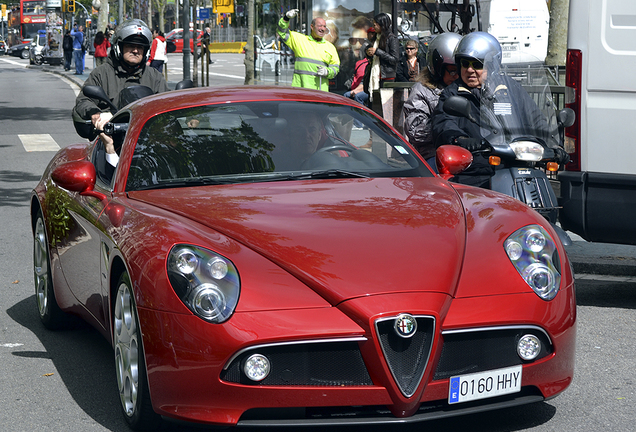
<point>125,67</point>
<point>480,85</point>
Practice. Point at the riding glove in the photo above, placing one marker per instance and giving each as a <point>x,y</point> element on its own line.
<point>470,144</point>
<point>561,156</point>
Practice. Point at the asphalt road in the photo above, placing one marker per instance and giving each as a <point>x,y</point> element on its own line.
<point>61,381</point>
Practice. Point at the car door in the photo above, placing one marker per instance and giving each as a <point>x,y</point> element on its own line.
<point>84,246</point>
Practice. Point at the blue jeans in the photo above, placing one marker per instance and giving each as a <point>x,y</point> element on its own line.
<point>78,55</point>
<point>361,98</point>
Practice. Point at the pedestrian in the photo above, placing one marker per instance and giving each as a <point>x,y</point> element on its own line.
<point>356,91</point>
<point>317,60</point>
<point>67,47</point>
<point>101,44</point>
<point>158,50</point>
<point>78,50</point>
<point>206,39</point>
<point>440,71</point>
<point>410,64</point>
<point>385,54</point>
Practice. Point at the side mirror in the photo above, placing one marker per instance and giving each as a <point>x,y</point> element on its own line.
<point>452,160</point>
<point>566,117</point>
<point>77,176</point>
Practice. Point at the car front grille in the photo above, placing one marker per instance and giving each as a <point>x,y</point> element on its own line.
<point>478,350</point>
<point>313,363</point>
<point>406,356</point>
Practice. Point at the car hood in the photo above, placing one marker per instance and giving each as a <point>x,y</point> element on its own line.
<point>343,238</point>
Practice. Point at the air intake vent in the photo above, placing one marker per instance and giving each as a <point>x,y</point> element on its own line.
<point>406,352</point>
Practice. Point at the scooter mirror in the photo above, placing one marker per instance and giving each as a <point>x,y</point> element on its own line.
<point>459,107</point>
<point>566,117</point>
<point>96,92</point>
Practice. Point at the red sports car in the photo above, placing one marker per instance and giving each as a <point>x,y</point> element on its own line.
<point>255,259</point>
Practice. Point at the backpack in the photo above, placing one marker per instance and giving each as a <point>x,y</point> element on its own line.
<point>86,43</point>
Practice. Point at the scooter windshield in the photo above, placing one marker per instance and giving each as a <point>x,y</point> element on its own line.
<point>517,104</point>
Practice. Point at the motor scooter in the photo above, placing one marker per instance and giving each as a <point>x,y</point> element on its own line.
<point>520,131</point>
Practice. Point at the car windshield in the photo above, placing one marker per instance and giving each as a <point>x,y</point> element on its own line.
<point>267,141</point>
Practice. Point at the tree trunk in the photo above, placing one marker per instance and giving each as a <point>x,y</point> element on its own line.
<point>249,48</point>
<point>102,17</point>
<point>558,34</point>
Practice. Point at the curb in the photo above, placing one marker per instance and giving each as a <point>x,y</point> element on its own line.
<point>602,258</point>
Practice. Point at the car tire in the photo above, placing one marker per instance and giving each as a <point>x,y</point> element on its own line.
<point>49,311</point>
<point>130,365</point>
<point>38,59</point>
<point>277,68</point>
<point>24,54</point>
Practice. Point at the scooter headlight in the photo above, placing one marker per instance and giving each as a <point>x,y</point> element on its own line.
<point>527,150</point>
<point>535,256</point>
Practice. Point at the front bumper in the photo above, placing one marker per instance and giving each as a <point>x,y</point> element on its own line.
<point>188,362</point>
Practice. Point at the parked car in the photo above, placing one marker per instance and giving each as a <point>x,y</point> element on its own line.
<point>174,40</point>
<point>253,260</point>
<point>20,50</point>
<point>3,47</point>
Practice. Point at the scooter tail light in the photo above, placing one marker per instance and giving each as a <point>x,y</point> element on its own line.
<point>494,160</point>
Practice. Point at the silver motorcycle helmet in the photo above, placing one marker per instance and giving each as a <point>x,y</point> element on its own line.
<point>133,31</point>
<point>440,53</point>
<point>479,46</point>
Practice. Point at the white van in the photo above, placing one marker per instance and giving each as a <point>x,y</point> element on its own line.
<point>598,188</point>
<point>520,26</point>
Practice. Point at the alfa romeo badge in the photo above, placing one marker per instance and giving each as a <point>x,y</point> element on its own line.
<point>405,325</point>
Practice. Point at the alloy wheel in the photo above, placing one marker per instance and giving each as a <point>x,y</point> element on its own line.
<point>126,340</point>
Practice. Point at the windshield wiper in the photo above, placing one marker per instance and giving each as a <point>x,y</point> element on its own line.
<point>327,174</point>
<point>199,181</point>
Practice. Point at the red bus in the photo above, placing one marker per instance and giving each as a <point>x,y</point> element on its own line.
<point>25,22</point>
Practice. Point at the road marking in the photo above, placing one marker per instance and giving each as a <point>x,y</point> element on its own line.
<point>38,142</point>
<point>11,345</point>
<point>13,62</point>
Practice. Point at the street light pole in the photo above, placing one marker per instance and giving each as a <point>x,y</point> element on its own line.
<point>186,39</point>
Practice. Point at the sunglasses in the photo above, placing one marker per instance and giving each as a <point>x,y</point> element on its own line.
<point>353,41</point>
<point>410,48</point>
<point>451,72</point>
<point>475,64</point>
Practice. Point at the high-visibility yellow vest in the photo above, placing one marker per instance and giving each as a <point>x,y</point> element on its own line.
<point>310,54</point>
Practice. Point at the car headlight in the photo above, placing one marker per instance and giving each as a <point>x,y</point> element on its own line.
<point>535,256</point>
<point>207,283</point>
<point>527,150</point>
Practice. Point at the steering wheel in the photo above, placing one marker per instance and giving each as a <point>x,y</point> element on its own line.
<point>346,148</point>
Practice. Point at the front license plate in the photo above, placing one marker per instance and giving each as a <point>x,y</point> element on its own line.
<point>483,385</point>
